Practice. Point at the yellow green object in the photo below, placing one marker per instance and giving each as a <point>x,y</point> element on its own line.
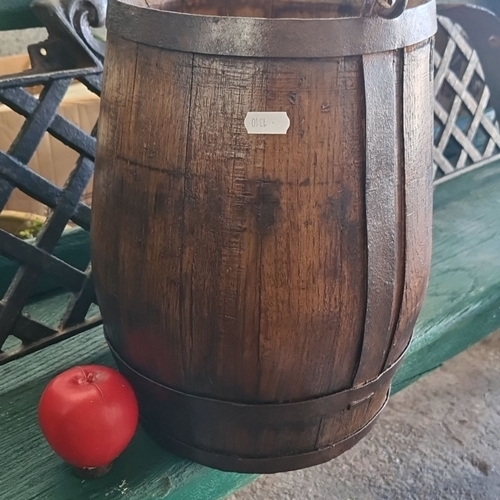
<point>21,224</point>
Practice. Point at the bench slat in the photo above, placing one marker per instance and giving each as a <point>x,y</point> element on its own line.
<point>144,471</point>
<point>463,301</point>
<point>463,306</point>
<point>17,15</point>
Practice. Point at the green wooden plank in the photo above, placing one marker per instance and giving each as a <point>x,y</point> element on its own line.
<point>17,15</point>
<point>73,248</point>
<point>463,305</point>
<point>144,471</point>
<point>463,301</point>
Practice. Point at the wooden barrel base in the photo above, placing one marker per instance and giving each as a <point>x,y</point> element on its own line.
<point>200,428</point>
<point>270,465</point>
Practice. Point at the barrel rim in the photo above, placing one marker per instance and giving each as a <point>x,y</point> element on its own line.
<point>270,38</point>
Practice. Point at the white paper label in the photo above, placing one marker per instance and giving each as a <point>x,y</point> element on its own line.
<point>267,122</point>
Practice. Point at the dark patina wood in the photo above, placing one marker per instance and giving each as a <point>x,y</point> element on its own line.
<point>253,285</point>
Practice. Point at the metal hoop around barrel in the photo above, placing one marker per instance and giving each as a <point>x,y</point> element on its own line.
<point>274,38</point>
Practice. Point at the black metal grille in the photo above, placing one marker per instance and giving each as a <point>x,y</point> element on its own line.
<point>66,56</point>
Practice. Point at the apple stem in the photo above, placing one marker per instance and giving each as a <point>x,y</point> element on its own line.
<point>92,472</point>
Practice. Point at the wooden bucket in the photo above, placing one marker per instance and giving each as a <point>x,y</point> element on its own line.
<point>262,218</point>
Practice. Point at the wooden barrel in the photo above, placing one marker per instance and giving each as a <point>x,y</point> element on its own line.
<point>262,218</point>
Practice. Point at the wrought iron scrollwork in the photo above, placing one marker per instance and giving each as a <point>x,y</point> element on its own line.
<point>71,43</point>
<point>84,15</point>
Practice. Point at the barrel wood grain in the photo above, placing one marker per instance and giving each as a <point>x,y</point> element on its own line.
<point>259,290</point>
<point>140,144</point>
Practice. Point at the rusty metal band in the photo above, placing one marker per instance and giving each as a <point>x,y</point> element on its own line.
<point>279,38</point>
<point>382,100</point>
<point>270,413</point>
<point>265,465</point>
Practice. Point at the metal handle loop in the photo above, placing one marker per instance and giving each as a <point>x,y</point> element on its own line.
<point>389,9</point>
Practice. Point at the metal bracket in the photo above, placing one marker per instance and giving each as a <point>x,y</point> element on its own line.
<point>71,48</point>
<point>69,24</point>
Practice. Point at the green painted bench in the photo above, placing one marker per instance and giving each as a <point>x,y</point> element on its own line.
<point>17,15</point>
<point>462,307</point>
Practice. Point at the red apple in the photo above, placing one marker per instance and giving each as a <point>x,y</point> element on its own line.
<point>89,415</point>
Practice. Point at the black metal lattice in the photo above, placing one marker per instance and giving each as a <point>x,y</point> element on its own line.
<point>70,53</point>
